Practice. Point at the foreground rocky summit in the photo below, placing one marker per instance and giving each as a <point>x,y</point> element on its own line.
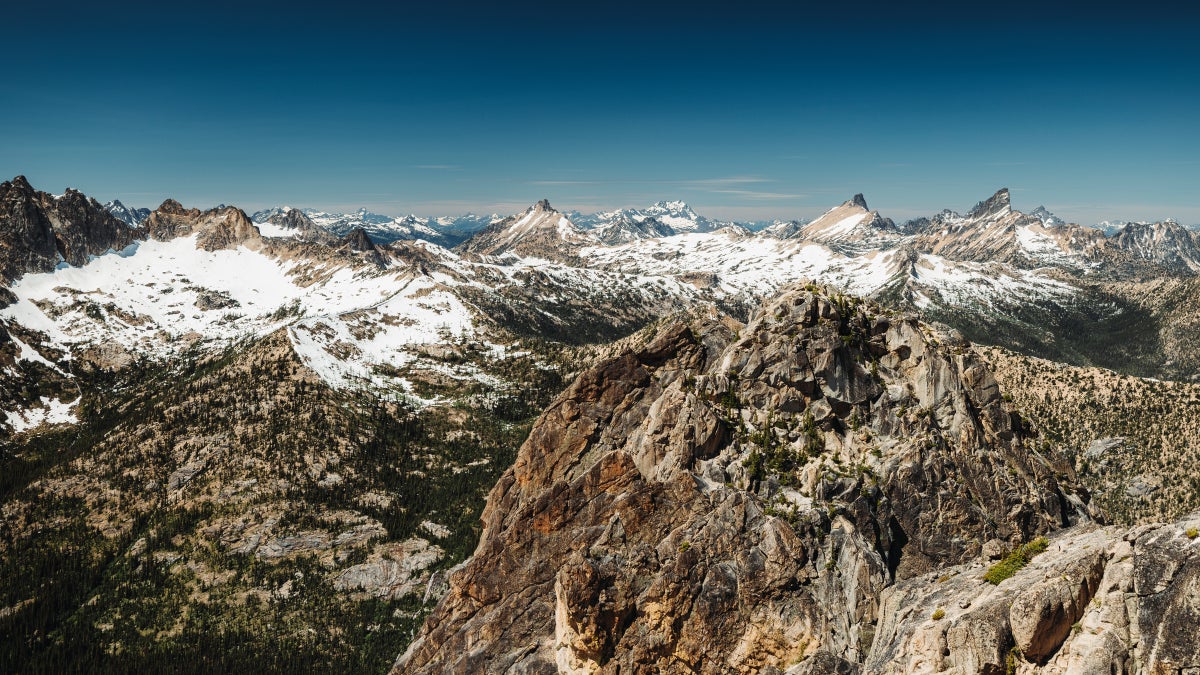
<point>728,498</point>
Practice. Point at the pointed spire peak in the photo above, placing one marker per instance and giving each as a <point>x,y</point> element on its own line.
<point>997,204</point>
<point>860,201</point>
<point>543,205</point>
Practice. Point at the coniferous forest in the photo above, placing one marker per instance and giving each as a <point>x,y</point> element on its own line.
<point>124,545</point>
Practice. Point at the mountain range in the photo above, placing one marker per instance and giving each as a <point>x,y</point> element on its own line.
<point>554,442</point>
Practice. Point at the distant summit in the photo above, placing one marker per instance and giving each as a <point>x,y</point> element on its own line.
<point>539,231</point>
<point>1048,219</point>
<point>850,226</point>
<point>130,216</point>
<point>997,205</point>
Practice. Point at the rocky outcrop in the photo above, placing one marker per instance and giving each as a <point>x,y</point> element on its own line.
<point>38,230</point>
<point>28,242</point>
<point>732,498</point>
<point>82,227</point>
<point>392,570</point>
<point>1099,600</point>
<point>219,228</point>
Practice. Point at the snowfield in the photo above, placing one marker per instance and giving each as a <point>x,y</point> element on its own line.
<point>359,323</point>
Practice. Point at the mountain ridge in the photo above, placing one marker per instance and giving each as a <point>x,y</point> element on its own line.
<point>255,369</point>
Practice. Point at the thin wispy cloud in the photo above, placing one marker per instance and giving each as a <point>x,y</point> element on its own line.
<point>754,194</point>
<point>718,182</point>
<point>683,182</point>
<point>437,167</point>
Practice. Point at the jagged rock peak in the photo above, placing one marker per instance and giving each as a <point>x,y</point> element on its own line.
<point>132,217</point>
<point>21,183</point>
<point>222,227</point>
<point>859,200</point>
<point>292,218</point>
<point>171,206</point>
<point>37,229</point>
<point>358,240</point>
<point>997,204</point>
<point>543,206</point>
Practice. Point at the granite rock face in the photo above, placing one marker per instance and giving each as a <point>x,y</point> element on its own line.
<point>1099,600</point>
<point>729,498</point>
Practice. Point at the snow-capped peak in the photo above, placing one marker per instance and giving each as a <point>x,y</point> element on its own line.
<point>130,216</point>
<point>371,218</point>
<point>996,206</point>
<point>676,208</point>
<point>1048,219</point>
<point>539,230</point>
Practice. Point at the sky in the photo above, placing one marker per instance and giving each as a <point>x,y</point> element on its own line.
<point>746,110</point>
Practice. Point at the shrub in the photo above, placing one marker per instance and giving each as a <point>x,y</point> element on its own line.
<point>1014,561</point>
<point>938,613</point>
<point>1192,533</point>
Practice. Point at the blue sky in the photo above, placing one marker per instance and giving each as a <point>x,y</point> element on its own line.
<point>749,110</point>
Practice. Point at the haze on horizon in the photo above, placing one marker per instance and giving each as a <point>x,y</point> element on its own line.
<point>773,111</point>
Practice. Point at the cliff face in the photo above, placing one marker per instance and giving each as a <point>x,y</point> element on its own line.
<point>733,498</point>
<point>36,228</point>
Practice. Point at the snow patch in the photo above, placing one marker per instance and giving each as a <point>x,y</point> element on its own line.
<point>51,412</point>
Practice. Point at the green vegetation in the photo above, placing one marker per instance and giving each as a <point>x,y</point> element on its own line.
<point>112,560</point>
<point>1014,561</point>
<point>1146,428</point>
<point>1192,533</point>
<point>938,614</point>
<point>1010,661</point>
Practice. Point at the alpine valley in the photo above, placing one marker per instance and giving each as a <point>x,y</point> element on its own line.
<point>639,440</point>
